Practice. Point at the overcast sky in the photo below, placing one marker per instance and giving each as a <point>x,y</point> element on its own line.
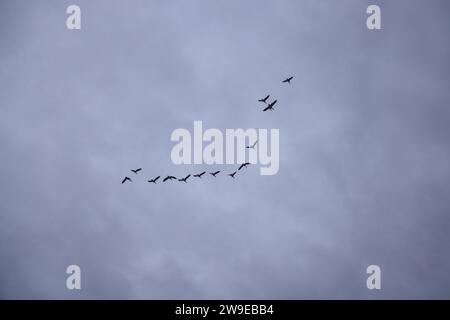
<point>364,149</point>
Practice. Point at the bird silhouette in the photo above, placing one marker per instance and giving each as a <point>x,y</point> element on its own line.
<point>126,179</point>
<point>185,178</point>
<point>264,99</point>
<point>169,178</point>
<point>232,174</point>
<point>252,146</point>
<point>244,165</point>
<point>270,106</point>
<point>288,80</point>
<point>214,174</point>
<point>136,170</point>
<point>154,180</point>
<point>199,175</point>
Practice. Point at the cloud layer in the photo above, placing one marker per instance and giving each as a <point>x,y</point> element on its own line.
<point>364,147</point>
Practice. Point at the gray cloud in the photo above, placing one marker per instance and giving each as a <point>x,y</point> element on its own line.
<point>364,174</point>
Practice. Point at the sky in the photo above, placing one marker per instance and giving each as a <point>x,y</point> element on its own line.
<point>364,175</point>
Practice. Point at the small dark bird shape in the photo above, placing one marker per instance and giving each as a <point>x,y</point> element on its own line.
<point>252,146</point>
<point>126,179</point>
<point>214,173</point>
<point>288,80</point>
<point>270,106</point>
<point>154,180</point>
<point>199,175</point>
<point>169,178</point>
<point>244,165</point>
<point>136,171</point>
<point>232,174</point>
<point>185,178</point>
<point>264,99</point>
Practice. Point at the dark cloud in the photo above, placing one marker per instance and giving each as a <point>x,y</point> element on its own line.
<point>364,136</point>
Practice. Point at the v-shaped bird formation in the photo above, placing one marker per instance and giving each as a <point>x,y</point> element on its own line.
<point>185,179</point>
<point>270,106</point>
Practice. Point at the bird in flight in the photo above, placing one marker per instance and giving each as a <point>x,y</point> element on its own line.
<point>169,178</point>
<point>214,173</point>
<point>232,174</point>
<point>264,99</point>
<point>136,170</point>
<point>252,146</point>
<point>185,178</point>
<point>270,106</point>
<point>126,179</point>
<point>244,165</point>
<point>288,80</point>
<point>199,175</point>
<point>154,180</point>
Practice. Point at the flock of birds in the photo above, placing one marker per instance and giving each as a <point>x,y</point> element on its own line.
<point>271,104</point>
<point>214,174</point>
<point>198,175</point>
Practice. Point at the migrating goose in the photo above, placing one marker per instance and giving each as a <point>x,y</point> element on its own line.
<point>126,179</point>
<point>270,106</point>
<point>154,180</point>
<point>232,174</point>
<point>199,175</point>
<point>264,99</point>
<point>244,165</point>
<point>252,146</point>
<point>288,80</point>
<point>136,170</point>
<point>185,178</point>
<point>169,178</point>
<point>214,173</point>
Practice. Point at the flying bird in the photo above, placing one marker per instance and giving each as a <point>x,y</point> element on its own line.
<point>126,179</point>
<point>270,106</point>
<point>264,99</point>
<point>244,165</point>
<point>199,175</point>
<point>185,178</point>
<point>232,174</point>
<point>288,80</point>
<point>214,173</point>
<point>169,178</point>
<point>252,146</point>
<point>154,180</point>
<point>136,170</point>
